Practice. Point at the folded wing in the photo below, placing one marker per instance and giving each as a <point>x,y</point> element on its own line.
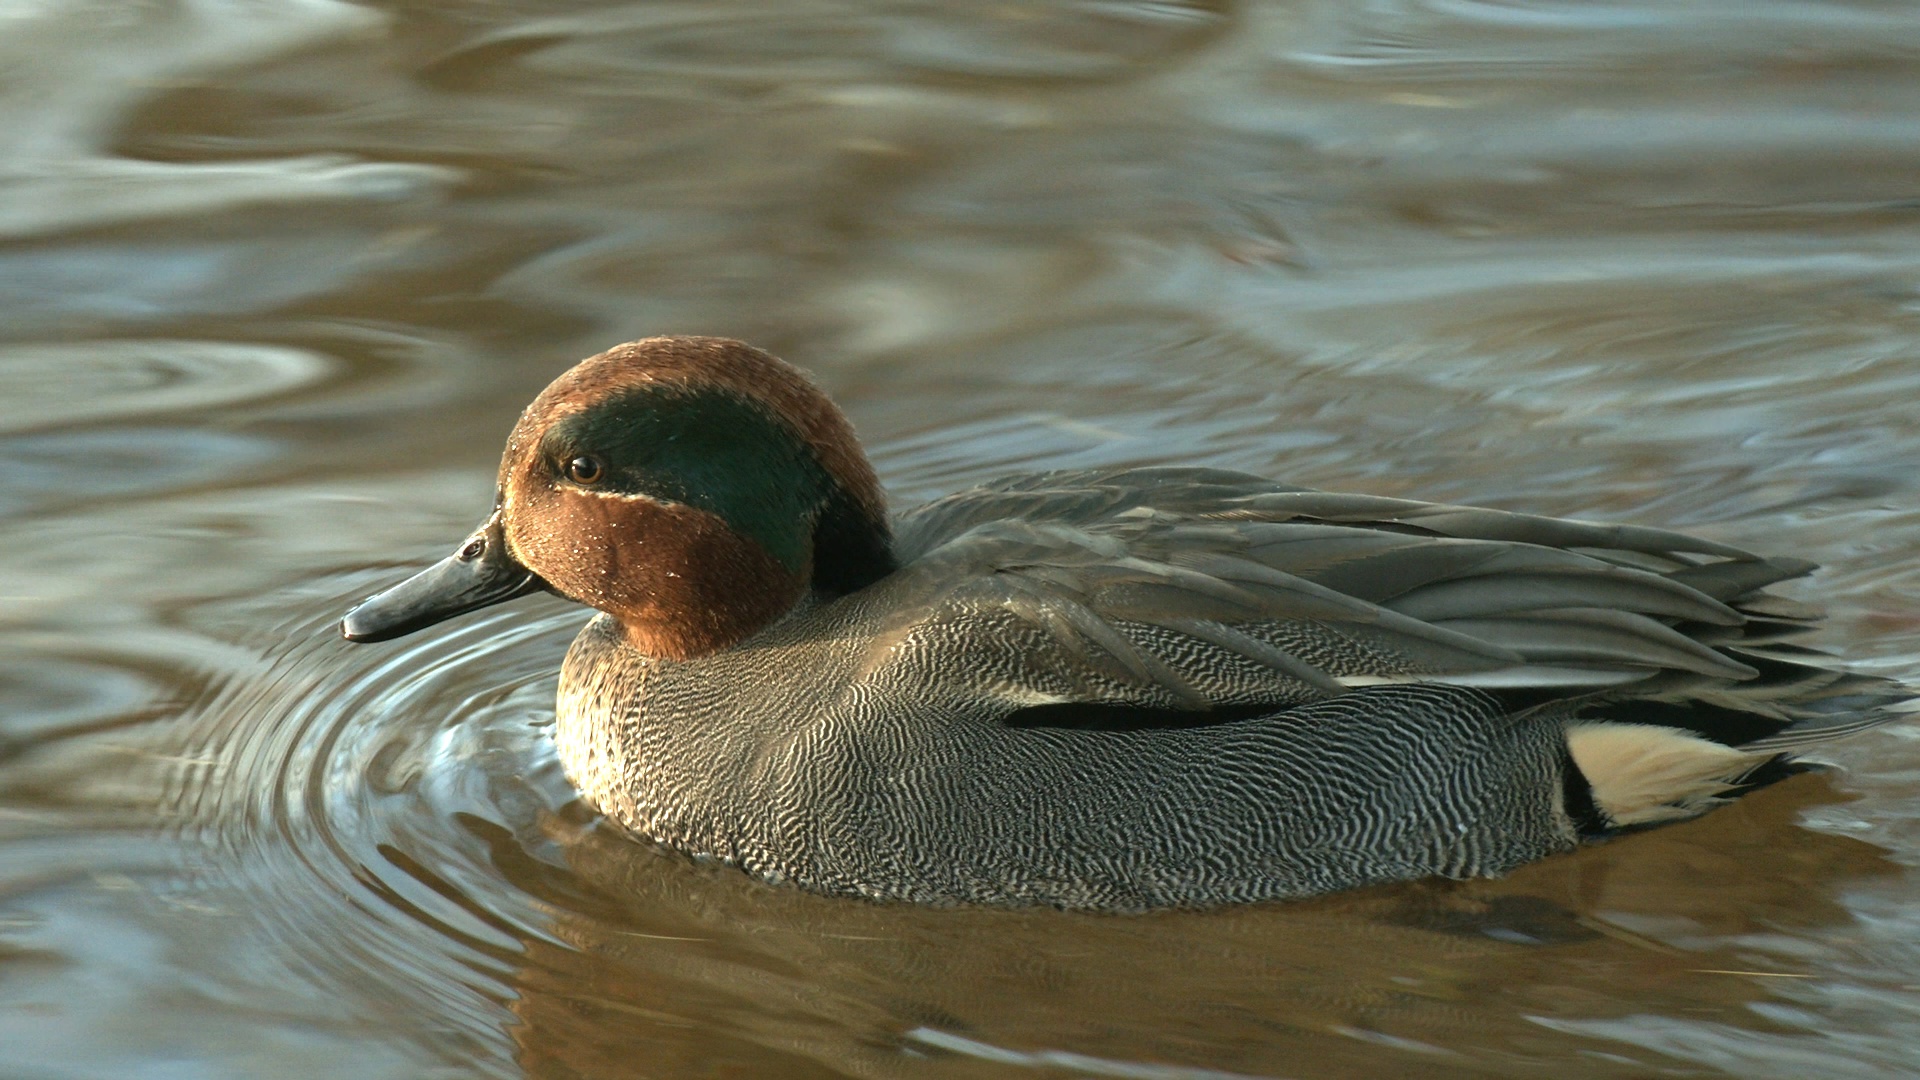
<point>1194,589</point>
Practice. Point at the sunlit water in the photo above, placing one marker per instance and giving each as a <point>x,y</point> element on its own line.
<point>276,275</point>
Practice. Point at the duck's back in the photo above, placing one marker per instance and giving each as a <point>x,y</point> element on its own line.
<point>1181,687</point>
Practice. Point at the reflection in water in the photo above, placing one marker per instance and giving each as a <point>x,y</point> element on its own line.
<point>1453,978</point>
<point>395,826</point>
<point>67,100</point>
<point>44,385</point>
<point>277,276</point>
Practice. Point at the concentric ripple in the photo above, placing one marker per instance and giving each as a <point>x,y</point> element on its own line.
<point>392,825</point>
<point>327,795</point>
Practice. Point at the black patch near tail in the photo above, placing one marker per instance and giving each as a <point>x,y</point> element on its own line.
<point>1728,727</point>
<point>1589,821</point>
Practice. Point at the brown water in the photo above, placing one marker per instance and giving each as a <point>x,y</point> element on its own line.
<point>276,275</point>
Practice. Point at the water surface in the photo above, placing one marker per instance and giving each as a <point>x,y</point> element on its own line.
<point>277,275</point>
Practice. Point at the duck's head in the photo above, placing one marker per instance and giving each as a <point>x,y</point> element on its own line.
<point>693,488</point>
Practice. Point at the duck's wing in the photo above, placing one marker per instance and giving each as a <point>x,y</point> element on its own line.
<point>1193,589</point>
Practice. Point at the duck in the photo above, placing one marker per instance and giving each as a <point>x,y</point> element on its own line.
<point>1116,689</point>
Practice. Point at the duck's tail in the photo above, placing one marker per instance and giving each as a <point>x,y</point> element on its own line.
<point>1642,774</point>
<point>1691,759</point>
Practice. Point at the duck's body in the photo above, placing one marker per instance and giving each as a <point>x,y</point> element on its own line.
<point>850,782</point>
<point>1114,690</point>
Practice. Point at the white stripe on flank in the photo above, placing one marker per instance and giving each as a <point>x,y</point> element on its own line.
<point>1532,675</point>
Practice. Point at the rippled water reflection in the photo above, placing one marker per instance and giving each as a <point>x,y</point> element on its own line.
<point>277,275</point>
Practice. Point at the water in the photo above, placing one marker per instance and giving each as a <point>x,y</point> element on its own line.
<point>277,275</point>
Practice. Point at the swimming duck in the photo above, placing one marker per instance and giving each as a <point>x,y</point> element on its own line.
<point>1112,689</point>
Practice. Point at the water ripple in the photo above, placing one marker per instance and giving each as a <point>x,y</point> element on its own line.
<point>394,823</point>
<point>327,788</point>
<point>49,384</point>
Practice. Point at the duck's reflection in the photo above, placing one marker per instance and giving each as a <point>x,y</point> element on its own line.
<point>660,967</point>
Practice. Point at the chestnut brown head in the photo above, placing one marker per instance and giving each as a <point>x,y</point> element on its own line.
<point>693,488</point>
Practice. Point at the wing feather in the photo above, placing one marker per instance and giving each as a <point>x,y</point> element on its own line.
<point>1198,586</point>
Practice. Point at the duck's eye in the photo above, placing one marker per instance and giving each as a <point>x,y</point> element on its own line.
<point>585,470</point>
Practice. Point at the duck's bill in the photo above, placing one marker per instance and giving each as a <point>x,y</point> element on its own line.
<point>480,574</point>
